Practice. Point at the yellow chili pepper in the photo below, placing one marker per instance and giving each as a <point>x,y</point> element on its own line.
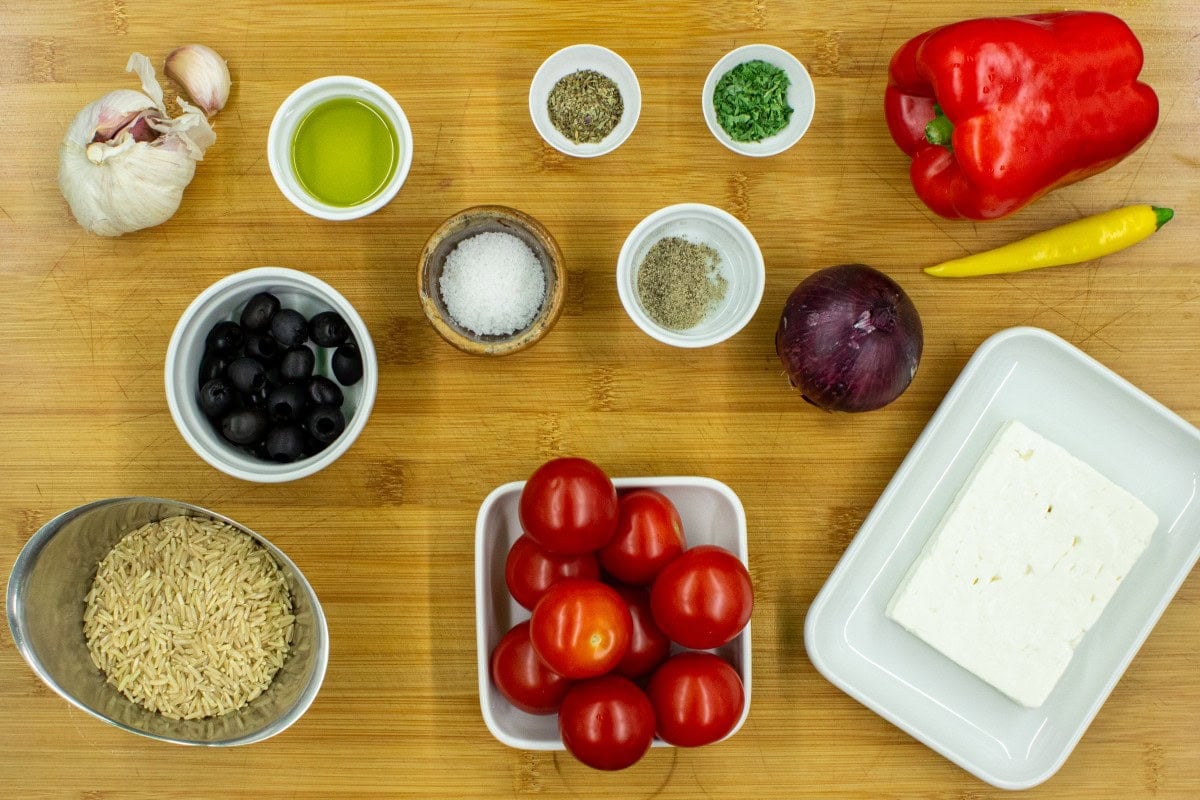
<point>1082,240</point>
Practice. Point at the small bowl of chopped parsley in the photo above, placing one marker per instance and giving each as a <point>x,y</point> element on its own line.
<point>585,100</point>
<point>758,100</point>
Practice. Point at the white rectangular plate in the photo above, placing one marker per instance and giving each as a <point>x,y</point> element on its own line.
<point>1033,376</point>
<point>711,514</point>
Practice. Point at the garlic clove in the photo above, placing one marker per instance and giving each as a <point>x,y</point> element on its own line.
<point>110,115</point>
<point>111,123</point>
<point>202,73</point>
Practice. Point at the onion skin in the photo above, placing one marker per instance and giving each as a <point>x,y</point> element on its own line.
<point>849,338</point>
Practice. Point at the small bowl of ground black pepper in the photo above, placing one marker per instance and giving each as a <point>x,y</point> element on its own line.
<point>758,100</point>
<point>585,100</point>
<point>690,275</point>
<point>491,280</point>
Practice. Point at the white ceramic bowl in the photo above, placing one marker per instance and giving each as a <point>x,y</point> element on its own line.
<point>572,59</point>
<point>741,266</point>
<point>224,300</point>
<point>293,110</point>
<point>711,514</point>
<point>801,96</point>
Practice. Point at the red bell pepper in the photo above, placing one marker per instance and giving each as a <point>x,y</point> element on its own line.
<point>997,112</point>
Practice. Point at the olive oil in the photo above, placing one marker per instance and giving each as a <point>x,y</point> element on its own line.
<point>345,151</point>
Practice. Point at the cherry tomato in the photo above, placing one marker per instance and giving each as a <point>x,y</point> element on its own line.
<point>703,598</point>
<point>531,569</point>
<point>581,628</point>
<point>649,536</point>
<point>522,677</point>
<point>697,698</point>
<point>607,723</point>
<point>569,506</point>
<point>648,646</point>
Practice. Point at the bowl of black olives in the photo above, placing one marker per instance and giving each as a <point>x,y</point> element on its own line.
<point>270,375</point>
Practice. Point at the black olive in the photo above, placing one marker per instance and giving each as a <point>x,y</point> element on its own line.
<point>325,423</point>
<point>259,397</point>
<point>285,443</point>
<point>247,375</point>
<point>217,397</point>
<point>263,347</point>
<point>289,327</point>
<point>286,402</point>
<point>225,338</point>
<point>213,366</point>
<point>244,426</point>
<point>324,392</point>
<point>256,316</point>
<point>297,363</point>
<point>347,364</point>
<point>312,446</point>
<point>328,329</point>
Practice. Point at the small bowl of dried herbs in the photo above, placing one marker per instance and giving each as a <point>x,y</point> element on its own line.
<point>690,275</point>
<point>758,100</point>
<point>585,100</point>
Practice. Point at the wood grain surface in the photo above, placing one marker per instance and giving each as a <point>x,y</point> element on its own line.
<point>386,533</point>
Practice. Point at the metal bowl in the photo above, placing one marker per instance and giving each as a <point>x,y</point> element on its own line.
<point>46,591</point>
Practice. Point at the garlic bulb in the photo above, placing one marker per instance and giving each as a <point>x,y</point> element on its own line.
<point>125,162</point>
<point>201,72</point>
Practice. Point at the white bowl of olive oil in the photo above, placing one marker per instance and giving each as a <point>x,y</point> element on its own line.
<point>339,148</point>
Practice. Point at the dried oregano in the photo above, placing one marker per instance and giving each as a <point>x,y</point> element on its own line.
<point>585,106</point>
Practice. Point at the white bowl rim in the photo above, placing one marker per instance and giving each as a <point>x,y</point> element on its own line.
<point>266,472</point>
<point>786,138</point>
<point>559,142</point>
<point>282,173</point>
<point>675,338</point>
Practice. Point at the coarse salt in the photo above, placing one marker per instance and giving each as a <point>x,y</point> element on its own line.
<point>492,284</point>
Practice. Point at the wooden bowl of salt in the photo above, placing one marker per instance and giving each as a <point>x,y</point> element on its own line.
<point>491,280</point>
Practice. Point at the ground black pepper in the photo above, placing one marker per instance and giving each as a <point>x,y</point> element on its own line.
<point>585,106</point>
<point>679,282</point>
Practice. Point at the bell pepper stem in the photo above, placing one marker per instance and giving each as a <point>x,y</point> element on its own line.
<point>940,129</point>
<point>1162,216</point>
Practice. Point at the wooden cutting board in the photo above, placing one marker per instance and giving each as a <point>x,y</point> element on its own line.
<point>386,534</point>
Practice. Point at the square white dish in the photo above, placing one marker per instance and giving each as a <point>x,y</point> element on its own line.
<point>711,514</point>
<point>1033,376</point>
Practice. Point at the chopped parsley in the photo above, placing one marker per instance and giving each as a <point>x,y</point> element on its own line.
<point>751,101</point>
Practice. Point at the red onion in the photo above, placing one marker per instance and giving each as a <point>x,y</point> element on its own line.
<point>849,338</point>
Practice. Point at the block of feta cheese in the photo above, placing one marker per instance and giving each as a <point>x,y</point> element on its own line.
<point>1022,564</point>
